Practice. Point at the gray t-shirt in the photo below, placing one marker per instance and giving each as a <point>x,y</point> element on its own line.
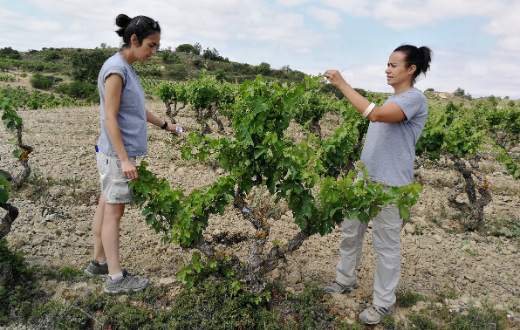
<point>132,114</point>
<point>389,150</point>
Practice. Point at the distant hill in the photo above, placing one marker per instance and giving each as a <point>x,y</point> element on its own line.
<point>186,62</point>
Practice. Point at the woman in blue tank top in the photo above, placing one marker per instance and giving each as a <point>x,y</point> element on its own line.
<point>123,121</point>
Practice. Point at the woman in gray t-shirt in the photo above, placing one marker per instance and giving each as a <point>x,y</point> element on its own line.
<point>123,120</point>
<point>388,154</point>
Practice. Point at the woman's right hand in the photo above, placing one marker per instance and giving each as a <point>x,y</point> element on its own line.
<point>129,170</point>
<point>335,78</point>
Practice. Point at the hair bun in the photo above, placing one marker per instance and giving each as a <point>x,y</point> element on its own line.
<point>427,53</point>
<point>427,57</point>
<point>122,21</point>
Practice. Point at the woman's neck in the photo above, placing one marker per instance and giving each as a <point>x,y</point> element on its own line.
<point>127,55</point>
<point>402,88</point>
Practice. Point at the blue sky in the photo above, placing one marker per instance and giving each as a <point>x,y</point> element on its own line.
<point>475,42</point>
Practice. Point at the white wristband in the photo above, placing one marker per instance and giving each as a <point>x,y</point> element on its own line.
<point>369,109</point>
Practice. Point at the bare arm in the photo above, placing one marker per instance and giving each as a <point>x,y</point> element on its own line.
<point>113,88</point>
<point>153,119</point>
<point>388,113</point>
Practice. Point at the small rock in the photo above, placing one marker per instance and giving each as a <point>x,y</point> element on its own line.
<point>469,278</point>
<point>276,273</point>
<point>464,300</point>
<point>294,277</point>
<point>50,217</point>
<point>167,280</point>
<point>409,229</point>
<point>437,238</point>
<point>80,286</point>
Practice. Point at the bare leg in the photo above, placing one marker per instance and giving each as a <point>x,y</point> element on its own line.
<point>99,252</point>
<point>110,235</point>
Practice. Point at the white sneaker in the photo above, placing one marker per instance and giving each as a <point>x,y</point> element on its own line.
<point>336,287</point>
<point>374,314</point>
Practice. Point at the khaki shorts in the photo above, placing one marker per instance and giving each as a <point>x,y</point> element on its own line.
<point>114,185</point>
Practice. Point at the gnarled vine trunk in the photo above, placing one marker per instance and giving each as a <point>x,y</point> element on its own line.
<point>477,191</point>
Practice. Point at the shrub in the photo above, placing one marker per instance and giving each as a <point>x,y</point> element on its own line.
<point>39,66</point>
<point>7,77</point>
<point>221,75</point>
<point>86,64</point>
<point>189,49</point>
<point>263,68</point>
<point>148,70</point>
<point>177,72</point>
<point>198,63</point>
<point>421,322</point>
<point>212,54</point>
<point>42,82</point>
<point>408,298</point>
<point>16,286</point>
<point>169,57</point>
<point>8,52</point>
<point>52,55</point>
<point>79,90</point>
<point>485,318</point>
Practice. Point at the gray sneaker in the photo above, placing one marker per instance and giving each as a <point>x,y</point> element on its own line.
<point>94,269</point>
<point>374,314</point>
<point>336,287</point>
<point>128,283</point>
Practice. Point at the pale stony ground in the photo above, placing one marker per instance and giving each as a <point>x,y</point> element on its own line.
<point>56,215</point>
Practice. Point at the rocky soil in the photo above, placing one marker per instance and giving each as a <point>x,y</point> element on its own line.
<point>58,204</point>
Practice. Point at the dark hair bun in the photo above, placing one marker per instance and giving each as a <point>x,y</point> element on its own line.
<point>427,56</point>
<point>122,21</point>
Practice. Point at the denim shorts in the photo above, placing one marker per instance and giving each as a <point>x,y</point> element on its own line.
<point>114,185</point>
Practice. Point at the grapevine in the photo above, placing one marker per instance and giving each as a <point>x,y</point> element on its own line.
<point>259,154</point>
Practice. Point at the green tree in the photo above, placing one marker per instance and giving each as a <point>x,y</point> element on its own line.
<point>188,48</point>
<point>459,92</point>
<point>169,57</point>
<point>42,82</point>
<point>10,53</point>
<point>86,64</point>
<point>212,54</point>
<point>263,68</point>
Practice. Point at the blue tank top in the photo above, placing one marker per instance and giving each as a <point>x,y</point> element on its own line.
<point>132,114</point>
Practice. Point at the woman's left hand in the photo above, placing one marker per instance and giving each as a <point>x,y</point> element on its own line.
<point>175,128</point>
<point>335,78</point>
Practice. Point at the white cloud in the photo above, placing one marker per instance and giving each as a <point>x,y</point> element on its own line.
<point>327,17</point>
<point>402,14</point>
<point>190,21</point>
<point>291,3</point>
<point>505,25</point>
<point>19,31</point>
<point>282,32</point>
<point>503,15</point>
